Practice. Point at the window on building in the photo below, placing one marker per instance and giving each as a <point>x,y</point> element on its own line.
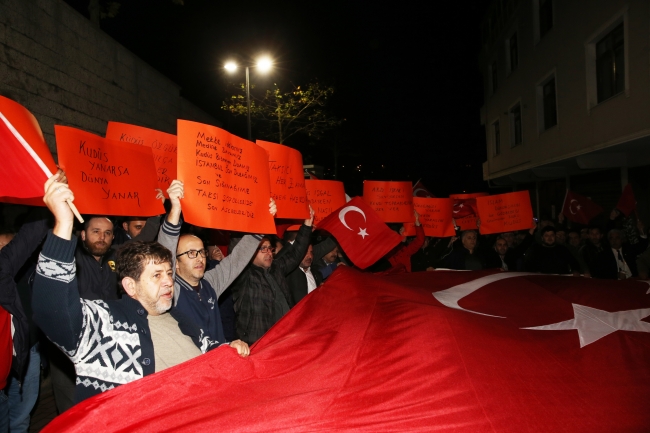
<point>512,53</point>
<point>610,64</point>
<point>549,106</point>
<point>545,17</point>
<point>496,135</point>
<point>495,78</point>
<point>515,125</point>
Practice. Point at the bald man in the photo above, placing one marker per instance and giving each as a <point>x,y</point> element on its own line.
<point>195,290</point>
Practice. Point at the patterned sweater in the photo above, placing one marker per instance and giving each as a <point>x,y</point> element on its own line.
<point>108,342</point>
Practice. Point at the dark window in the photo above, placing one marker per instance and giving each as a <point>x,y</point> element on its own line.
<point>495,80</point>
<point>610,64</point>
<point>497,137</point>
<point>545,17</point>
<point>514,59</point>
<point>550,109</point>
<point>515,125</point>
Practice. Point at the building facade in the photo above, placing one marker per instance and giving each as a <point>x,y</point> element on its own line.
<point>567,98</point>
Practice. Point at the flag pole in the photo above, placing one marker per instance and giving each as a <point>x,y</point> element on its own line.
<point>38,161</point>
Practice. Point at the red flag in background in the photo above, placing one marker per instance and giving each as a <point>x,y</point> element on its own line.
<point>627,203</point>
<point>419,190</point>
<point>579,209</point>
<point>424,351</point>
<point>361,233</point>
<point>465,205</point>
<point>26,159</point>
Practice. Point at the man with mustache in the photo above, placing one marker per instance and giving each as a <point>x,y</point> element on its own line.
<point>117,341</point>
<point>195,290</point>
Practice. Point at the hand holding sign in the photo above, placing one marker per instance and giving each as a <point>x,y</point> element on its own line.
<point>58,198</point>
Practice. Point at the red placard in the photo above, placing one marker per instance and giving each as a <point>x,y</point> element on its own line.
<point>466,196</point>
<point>393,201</point>
<point>226,179</point>
<point>505,212</point>
<point>162,145</point>
<point>108,177</point>
<point>287,180</point>
<point>435,216</point>
<point>324,196</point>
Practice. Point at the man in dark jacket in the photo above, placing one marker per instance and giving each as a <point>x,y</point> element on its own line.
<point>112,342</point>
<point>261,293</point>
<point>618,261</point>
<point>303,280</point>
<point>507,258</point>
<point>549,257</point>
<point>24,380</point>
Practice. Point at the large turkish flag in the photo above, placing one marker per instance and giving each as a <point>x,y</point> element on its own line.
<point>427,351</point>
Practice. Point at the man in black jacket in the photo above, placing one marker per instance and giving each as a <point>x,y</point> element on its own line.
<point>303,280</point>
<point>549,257</point>
<point>24,380</point>
<point>618,262</point>
<point>261,293</point>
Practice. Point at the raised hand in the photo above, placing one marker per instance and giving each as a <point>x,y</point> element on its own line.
<point>273,208</point>
<point>417,218</point>
<point>57,195</point>
<point>175,192</point>
<point>309,221</point>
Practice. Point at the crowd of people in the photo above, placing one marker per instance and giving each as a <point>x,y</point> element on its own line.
<point>118,302</point>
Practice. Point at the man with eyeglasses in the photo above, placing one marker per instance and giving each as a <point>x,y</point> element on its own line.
<point>195,290</point>
<point>261,294</point>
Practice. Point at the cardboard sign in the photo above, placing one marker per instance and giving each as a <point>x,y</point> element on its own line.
<point>435,216</point>
<point>106,176</point>
<point>226,179</point>
<point>287,180</point>
<point>162,145</point>
<point>324,196</point>
<point>26,158</point>
<point>466,196</point>
<point>393,201</point>
<point>505,212</point>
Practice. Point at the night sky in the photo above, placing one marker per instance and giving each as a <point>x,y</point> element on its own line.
<point>406,75</point>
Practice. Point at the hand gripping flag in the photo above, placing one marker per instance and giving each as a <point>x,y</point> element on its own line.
<point>26,159</point>
<point>436,351</point>
<point>579,209</point>
<point>362,234</point>
<point>627,203</point>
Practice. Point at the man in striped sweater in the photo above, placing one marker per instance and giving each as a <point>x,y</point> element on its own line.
<point>112,342</point>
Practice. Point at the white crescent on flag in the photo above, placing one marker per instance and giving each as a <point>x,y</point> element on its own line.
<point>344,211</point>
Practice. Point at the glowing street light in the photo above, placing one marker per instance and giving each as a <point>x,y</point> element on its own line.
<point>263,65</point>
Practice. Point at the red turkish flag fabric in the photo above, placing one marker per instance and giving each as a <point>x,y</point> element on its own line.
<point>579,209</point>
<point>464,208</point>
<point>627,203</point>
<point>26,158</point>
<point>361,233</point>
<point>425,351</point>
<point>419,190</point>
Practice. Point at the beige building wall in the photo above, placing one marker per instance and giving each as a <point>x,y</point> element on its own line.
<point>588,135</point>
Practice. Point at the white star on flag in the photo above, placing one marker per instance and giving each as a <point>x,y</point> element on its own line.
<point>593,324</point>
<point>578,207</point>
<point>362,233</point>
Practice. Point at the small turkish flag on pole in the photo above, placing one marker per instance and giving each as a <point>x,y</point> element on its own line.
<point>579,209</point>
<point>627,203</point>
<point>419,190</point>
<point>27,161</point>
<point>362,234</point>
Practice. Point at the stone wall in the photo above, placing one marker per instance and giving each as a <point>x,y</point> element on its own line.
<point>67,72</point>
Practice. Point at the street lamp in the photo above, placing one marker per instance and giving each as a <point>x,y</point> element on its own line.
<point>263,64</point>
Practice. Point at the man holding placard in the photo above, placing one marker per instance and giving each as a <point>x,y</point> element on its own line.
<point>261,294</point>
<point>196,291</point>
<point>113,342</point>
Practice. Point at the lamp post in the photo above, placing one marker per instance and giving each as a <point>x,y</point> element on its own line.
<point>263,65</point>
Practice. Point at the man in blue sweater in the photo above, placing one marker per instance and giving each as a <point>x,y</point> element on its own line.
<point>112,342</point>
<point>195,290</point>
